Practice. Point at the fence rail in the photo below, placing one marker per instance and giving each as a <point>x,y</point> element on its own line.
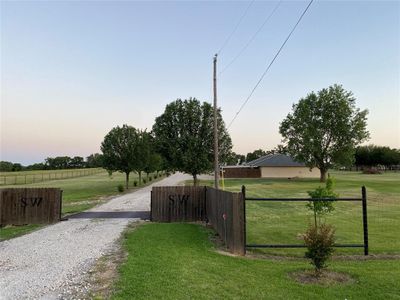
<point>20,179</point>
<point>363,199</point>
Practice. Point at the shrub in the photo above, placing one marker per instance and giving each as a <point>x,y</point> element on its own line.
<point>144,181</point>
<point>168,174</point>
<point>135,183</point>
<point>150,178</point>
<point>155,176</point>
<point>120,188</point>
<point>319,242</point>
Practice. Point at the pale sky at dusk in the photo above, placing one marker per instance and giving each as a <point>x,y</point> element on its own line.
<point>70,71</point>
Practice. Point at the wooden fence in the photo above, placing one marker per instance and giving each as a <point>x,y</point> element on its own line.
<point>20,206</point>
<point>241,172</point>
<point>178,204</point>
<point>224,211</point>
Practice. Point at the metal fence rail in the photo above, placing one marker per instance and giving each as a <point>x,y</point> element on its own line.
<point>363,199</point>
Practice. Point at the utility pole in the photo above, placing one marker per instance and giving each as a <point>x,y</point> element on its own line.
<point>216,164</point>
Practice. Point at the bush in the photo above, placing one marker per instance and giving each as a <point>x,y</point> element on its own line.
<point>155,176</point>
<point>135,183</point>
<point>120,188</point>
<point>319,242</point>
<point>150,178</point>
<point>144,181</point>
<point>168,174</point>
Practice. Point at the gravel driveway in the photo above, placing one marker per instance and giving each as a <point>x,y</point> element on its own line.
<point>47,263</point>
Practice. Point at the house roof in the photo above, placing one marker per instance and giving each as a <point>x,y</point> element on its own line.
<point>275,160</point>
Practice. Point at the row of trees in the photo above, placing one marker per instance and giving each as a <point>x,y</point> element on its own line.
<point>373,155</point>
<point>181,140</point>
<point>127,149</point>
<point>55,163</point>
<point>364,156</point>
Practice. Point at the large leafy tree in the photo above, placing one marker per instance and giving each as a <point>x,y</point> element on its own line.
<point>184,137</point>
<point>324,128</point>
<point>121,150</point>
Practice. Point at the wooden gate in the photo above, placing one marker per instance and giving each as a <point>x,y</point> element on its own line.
<point>178,203</point>
<point>19,206</point>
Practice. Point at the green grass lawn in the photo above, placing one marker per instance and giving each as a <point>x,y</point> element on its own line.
<point>9,232</point>
<point>282,222</point>
<point>79,193</point>
<point>177,261</point>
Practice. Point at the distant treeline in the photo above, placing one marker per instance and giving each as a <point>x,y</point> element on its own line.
<point>374,156</point>
<point>56,163</point>
<point>364,156</point>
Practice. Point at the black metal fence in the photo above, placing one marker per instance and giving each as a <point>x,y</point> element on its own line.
<point>363,201</point>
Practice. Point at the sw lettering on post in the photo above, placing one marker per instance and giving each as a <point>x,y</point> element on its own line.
<point>180,199</point>
<point>34,201</point>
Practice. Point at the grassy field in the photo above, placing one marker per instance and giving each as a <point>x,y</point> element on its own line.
<point>282,222</point>
<point>25,177</point>
<point>177,261</point>
<point>79,193</point>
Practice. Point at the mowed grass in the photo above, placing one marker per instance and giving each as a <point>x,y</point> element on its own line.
<point>79,194</point>
<point>9,232</point>
<point>177,261</point>
<point>283,222</point>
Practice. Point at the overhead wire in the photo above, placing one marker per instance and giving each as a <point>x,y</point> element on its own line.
<point>252,38</point>
<point>236,27</point>
<point>270,64</point>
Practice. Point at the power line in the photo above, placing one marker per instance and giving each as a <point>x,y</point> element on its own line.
<point>251,39</point>
<point>236,27</point>
<point>270,64</point>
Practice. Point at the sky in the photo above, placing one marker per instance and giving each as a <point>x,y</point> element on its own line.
<point>73,70</point>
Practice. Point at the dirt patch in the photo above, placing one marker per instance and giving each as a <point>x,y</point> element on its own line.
<point>105,272</point>
<point>326,278</point>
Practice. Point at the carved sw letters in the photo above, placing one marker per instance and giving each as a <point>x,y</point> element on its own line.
<point>34,201</point>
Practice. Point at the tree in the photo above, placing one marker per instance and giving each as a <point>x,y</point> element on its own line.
<point>144,153</point>
<point>76,162</point>
<point>184,137</point>
<point>121,150</point>
<point>6,166</point>
<point>235,159</point>
<point>36,166</point>
<point>255,154</point>
<point>59,162</point>
<point>320,208</point>
<point>94,160</point>
<point>324,128</point>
